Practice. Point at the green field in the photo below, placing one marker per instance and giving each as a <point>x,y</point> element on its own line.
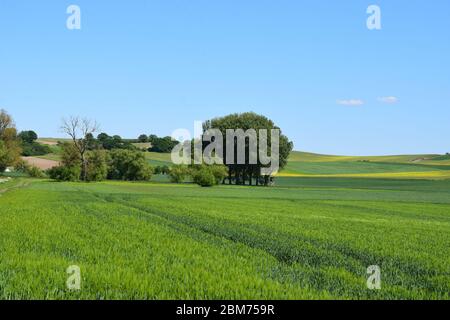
<point>425,166</point>
<point>306,238</point>
<point>311,236</point>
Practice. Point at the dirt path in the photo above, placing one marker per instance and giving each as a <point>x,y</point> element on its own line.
<point>42,164</point>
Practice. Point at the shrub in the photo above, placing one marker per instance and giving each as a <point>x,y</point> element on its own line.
<point>157,170</point>
<point>34,172</point>
<point>162,169</point>
<point>4,157</point>
<point>9,152</point>
<point>97,167</point>
<point>129,165</point>
<point>35,149</point>
<point>70,157</point>
<point>65,173</point>
<point>220,172</point>
<point>21,166</point>
<point>165,169</point>
<point>178,173</point>
<point>31,171</point>
<point>204,176</point>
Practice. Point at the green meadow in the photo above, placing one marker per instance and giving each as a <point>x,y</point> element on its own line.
<point>311,236</point>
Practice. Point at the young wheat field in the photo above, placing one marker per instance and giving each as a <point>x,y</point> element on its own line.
<point>305,238</point>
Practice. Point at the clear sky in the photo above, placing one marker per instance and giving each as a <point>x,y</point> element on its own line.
<point>332,85</point>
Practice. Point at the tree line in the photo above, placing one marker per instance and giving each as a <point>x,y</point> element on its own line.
<point>88,158</point>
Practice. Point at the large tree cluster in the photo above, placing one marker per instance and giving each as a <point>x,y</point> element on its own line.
<point>248,172</point>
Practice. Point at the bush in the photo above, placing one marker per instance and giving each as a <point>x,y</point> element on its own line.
<point>162,169</point>
<point>178,173</point>
<point>21,166</point>
<point>4,157</point>
<point>35,172</point>
<point>162,145</point>
<point>204,176</point>
<point>97,167</point>
<point>34,149</point>
<point>70,157</point>
<point>220,172</point>
<point>9,152</point>
<point>31,171</point>
<point>129,165</point>
<point>65,173</point>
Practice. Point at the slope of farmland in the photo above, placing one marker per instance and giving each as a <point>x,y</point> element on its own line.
<point>303,164</point>
<point>312,238</point>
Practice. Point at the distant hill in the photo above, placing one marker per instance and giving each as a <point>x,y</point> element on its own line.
<point>315,157</point>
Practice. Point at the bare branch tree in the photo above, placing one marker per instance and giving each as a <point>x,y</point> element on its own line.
<point>78,129</point>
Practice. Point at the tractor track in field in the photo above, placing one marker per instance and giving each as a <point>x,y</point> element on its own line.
<point>350,258</point>
<point>21,183</point>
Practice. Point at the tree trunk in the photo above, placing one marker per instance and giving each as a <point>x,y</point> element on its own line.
<point>84,168</point>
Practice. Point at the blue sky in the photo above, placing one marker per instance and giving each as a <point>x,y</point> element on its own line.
<point>312,66</point>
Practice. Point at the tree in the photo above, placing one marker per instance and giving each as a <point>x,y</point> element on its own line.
<point>5,157</point>
<point>152,138</point>
<point>70,168</point>
<point>6,121</point>
<point>29,145</point>
<point>143,138</point>
<point>203,176</point>
<point>9,143</point>
<point>129,165</point>
<point>162,145</point>
<point>28,136</point>
<point>92,143</point>
<point>35,149</point>
<point>70,157</point>
<point>178,173</point>
<point>79,129</point>
<point>71,165</point>
<point>162,169</point>
<point>219,172</point>
<point>97,169</point>
<point>115,142</point>
<point>241,173</point>
<point>208,175</point>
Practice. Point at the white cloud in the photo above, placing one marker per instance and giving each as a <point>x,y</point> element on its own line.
<point>351,102</point>
<point>388,100</point>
